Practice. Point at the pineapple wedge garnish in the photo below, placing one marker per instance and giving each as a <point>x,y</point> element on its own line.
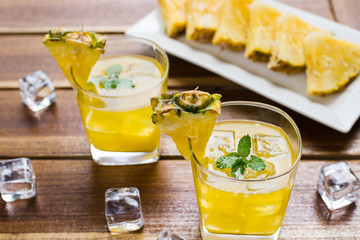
<point>202,19</point>
<point>233,24</point>
<point>330,62</point>
<point>190,114</point>
<point>288,48</point>
<point>75,52</point>
<point>261,31</point>
<point>174,15</point>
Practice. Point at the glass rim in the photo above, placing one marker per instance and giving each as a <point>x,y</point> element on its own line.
<point>137,39</point>
<point>265,106</point>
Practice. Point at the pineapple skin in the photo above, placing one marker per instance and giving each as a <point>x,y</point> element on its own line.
<point>233,24</point>
<point>331,63</point>
<point>288,46</point>
<point>261,32</point>
<point>202,19</point>
<point>182,124</point>
<point>174,15</point>
<point>68,48</point>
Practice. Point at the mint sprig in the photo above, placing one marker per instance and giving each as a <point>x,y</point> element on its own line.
<point>244,146</point>
<point>112,80</point>
<point>240,160</point>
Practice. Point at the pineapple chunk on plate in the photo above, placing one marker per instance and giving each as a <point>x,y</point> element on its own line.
<point>202,19</point>
<point>174,16</point>
<point>288,47</point>
<point>330,63</point>
<point>233,24</point>
<point>261,31</point>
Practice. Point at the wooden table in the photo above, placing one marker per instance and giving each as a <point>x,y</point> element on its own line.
<point>70,187</point>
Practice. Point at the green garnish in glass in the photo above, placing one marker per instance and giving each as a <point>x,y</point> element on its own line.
<point>239,161</point>
<point>112,80</point>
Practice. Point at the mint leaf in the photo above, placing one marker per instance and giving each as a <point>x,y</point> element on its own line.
<point>126,83</point>
<point>238,168</point>
<point>114,70</point>
<point>244,146</point>
<point>226,161</point>
<point>256,163</point>
<point>109,84</point>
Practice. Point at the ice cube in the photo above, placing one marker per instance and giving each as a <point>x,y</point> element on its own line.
<point>123,210</point>
<point>338,186</point>
<point>220,143</point>
<point>168,235</point>
<point>17,179</point>
<point>269,146</point>
<point>37,90</point>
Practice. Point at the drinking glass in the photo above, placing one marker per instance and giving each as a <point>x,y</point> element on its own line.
<point>232,208</point>
<point>119,128</point>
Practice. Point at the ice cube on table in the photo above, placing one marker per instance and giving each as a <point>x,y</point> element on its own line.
<point>269,146</point>
<point>220,143</point>
<point>123,210</point>
<point>338,186</point>
<point>17,179</point>
<point>37,90</point>
<point>168,235</point>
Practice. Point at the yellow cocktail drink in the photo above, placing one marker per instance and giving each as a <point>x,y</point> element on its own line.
<point>244,180</point>
<point>239,209</point>
<point>107,130</point>
<point>113,87</point>
<point>126,128</point>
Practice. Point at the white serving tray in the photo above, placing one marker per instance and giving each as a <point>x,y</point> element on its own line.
<point>338,111</point>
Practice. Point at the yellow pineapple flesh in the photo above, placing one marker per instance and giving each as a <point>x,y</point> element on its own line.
<point>288,48</point>
<point>187,115</point>
<point>233,24</point>
<point>202,19</point>
<point>174,16</point>
<point>262,23</point>
<point>330,63</point>
<point>75,52</point>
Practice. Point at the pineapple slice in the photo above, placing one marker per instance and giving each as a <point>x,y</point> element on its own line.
<point>75,52</point>
<point>288,48</point>
<point>233,24</point>
<point>202,19</point>
<point>174,15</point>
<point>330,63</point>
<point>261,31</point>
<point>185,115</point>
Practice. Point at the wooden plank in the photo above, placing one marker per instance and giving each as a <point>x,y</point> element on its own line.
<point>70,203</point>
<point>347,12</point>
<point>36,16</point>
<point>21,55</point>
<point>101,16</point>
<point>59,132</point>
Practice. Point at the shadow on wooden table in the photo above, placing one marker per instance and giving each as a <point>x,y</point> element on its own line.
<point>342,215</point>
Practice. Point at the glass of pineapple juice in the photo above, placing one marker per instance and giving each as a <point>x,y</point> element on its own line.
<point>253,205</point>
<point>114,103</point>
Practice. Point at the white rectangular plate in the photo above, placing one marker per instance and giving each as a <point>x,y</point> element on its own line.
<point>338,111</point>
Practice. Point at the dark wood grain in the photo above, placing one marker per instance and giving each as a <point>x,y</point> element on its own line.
<point>59,132</point>
<point>70,203</point>
<point>70,186</point>
<point>347,12</point>
<point>21,55</point>
<point>40,15</point>
<point>36,16</point>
